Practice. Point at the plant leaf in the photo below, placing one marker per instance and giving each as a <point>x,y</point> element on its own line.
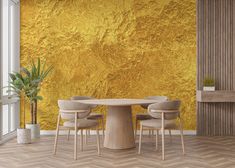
<point>39,97</point>
<point>26,71</point>
<point>12,76</point>
<point>44,75</point>
<point>39,62</point>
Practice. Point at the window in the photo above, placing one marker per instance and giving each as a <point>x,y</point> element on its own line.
<point>9,108</point>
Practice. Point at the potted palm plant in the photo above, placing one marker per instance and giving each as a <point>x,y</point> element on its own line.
<point>28,83</point>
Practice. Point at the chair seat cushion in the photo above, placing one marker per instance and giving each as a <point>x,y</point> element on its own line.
<point>95,116</point>
<point>143,116</point>
<point>157,123</point>
<point>83,123</point>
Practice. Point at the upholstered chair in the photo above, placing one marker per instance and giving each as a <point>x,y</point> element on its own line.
<point>74,116</point>
<point>93,116</point>
<point>168,112</point>
<point>146,116</point>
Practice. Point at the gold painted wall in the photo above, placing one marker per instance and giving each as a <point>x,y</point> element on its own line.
<point>112,49</point>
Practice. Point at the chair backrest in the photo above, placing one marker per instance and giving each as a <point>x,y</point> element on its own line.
<point>171,109</point>
<point>69,107</point>
<point>158,98</point>
<point>83,98</point>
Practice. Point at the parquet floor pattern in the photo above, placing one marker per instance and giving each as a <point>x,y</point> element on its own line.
<point>201,152</point>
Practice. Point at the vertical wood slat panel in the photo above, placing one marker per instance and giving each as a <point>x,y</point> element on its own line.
<point>232,24</point>
<point>215,58</point>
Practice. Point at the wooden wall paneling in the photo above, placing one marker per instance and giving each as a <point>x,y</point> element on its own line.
<point>233,38</point>
<point>215,58</point>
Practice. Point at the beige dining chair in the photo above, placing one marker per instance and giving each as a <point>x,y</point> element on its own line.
<point>146,116</point>
<point>92,116</point>
<point>168,111</point>
<point>74,115</point>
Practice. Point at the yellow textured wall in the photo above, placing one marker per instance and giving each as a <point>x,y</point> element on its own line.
<point>112,49</point>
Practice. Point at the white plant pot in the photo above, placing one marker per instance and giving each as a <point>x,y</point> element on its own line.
<point>23,136</point>
<point>209,88</point>
<point>35,130</point>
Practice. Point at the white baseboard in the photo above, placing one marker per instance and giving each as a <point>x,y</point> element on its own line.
<point>93,132</point>
<point>13,134</point>
<point>8,137</point>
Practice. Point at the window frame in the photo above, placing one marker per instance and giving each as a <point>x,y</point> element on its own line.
<point>1,70</point>
<point>13,65</point>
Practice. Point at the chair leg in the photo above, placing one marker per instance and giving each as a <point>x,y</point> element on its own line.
<point>170,136</point>
<point>68,135</point>
<point>98,140</point>
<point>75,136</point>
<point>149,132</point>
<point>140,138</point>
<point>81,140</point>
<point>136,124</point>
<point>57,134</point>
<point>86,132</point>
<point>89,132</point>
<point>182,137</point>
<point>102,122</point>
<point>157,133</point>
<point>163,138</point>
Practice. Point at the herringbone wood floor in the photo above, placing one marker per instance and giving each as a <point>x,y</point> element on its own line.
<point>201,152</point>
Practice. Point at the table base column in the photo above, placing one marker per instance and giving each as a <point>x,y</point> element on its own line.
<point>119,132</point>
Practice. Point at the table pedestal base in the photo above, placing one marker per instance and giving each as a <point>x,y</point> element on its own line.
<point>119,132</point>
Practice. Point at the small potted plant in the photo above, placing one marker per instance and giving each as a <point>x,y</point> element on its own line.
<point>28,83</point>
<point>208,84</point>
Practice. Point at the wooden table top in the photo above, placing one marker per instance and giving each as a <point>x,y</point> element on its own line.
<point>117,102</point>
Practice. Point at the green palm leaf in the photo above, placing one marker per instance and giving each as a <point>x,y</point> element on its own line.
<point>26,71</point>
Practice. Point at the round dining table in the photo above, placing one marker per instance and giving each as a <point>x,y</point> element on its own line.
<point>119,133</point>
